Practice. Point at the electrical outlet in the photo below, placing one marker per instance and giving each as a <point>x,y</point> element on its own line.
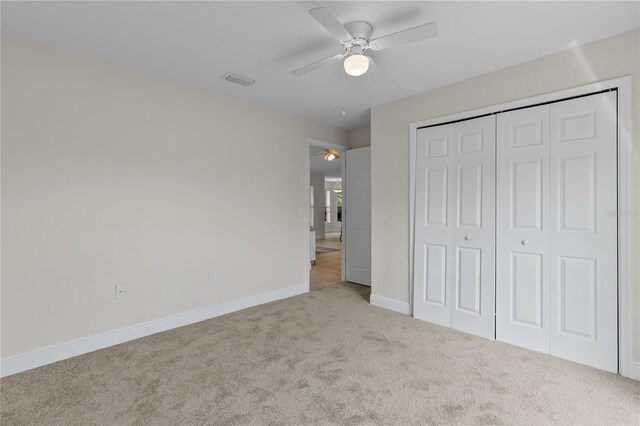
<point>121,291</point>
<point>212,276</point>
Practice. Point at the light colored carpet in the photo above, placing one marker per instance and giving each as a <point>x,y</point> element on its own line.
<point>326,357</point>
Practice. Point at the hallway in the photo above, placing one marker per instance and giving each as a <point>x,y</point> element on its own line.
<point>327,270</point>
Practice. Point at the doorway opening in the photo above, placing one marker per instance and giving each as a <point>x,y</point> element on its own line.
<point>326,167</point>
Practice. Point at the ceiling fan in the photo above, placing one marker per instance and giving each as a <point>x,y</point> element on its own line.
<point>355,37</point>
<point>329,154</point>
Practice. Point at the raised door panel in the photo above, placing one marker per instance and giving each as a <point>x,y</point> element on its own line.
<point>434,274</point>
<point>437,146</point>
<point>577,297</point>
<point>436,188</point>
<point>525,288</point>
<point>522,263</point>
<point>576,126</point>
<point>433,225</point>
<point>468,280</point>
<point>470,141</point>
<point>583,235</point>
<point>469,193</point>
<point>526,194</point>
<point>473,265</point>
<point>356,256</point>
<point>577,197</point>
<point>526,131</point>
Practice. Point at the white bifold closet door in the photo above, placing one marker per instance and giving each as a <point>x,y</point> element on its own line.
<point>522,226</point>
<point>454,267</point>
<point>556,276</point>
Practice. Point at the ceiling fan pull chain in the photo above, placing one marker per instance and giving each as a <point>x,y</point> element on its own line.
<point>369,89</point>
<point>344,111</point>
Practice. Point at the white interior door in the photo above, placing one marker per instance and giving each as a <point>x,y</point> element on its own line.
<point>556,268</point>
<point>455,226</point>
<point>557,230</point>
<point>357,206</point>
<point>583,237</point>
<point>522,220</point>
<point>473,260</point>
<point>433,225</point>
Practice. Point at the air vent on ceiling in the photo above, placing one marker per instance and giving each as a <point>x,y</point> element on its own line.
<point>238,79</point>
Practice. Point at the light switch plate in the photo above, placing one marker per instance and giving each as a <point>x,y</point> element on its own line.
<point>301,211</point>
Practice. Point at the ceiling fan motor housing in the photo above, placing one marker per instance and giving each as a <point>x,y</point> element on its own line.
<point>361,34</point>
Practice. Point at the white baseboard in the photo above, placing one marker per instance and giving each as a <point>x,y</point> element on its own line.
<point>50,354</point>
<point>391,304</point>
<point>633,372</point>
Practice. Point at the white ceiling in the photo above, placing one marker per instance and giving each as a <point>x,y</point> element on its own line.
<point>320,166</point>
<point>198,42</point>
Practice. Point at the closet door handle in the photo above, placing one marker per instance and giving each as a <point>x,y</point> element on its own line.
<point>524,242</point>
<point>467,238</point>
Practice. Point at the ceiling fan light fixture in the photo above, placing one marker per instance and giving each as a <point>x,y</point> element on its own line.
<point>330,154</point>
<point>356,65</point>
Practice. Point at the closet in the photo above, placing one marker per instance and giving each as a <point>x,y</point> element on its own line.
<point>514,239</point>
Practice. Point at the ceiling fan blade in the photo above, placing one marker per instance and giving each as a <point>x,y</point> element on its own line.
<point>327,20</point>
<point>317,64</point>
<point>421,32</point>
<point>372,62</point>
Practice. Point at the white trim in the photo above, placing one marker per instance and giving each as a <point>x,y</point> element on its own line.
<point>343,221</point>
<point>316,142</point>
<point>627,232</point>
<point>634,371</point>
<point>54,353</point>
<point>413,129</point>
<point>628,252</point>
<point>391,304</point>
<point>323,144</point>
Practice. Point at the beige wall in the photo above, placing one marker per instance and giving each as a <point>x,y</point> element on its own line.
<point>360,138</point>
<point>601,60</point>
<point>113,176</point>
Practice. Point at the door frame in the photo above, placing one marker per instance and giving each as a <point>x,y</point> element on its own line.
<point>627,199</point>
<point>309,142</point>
